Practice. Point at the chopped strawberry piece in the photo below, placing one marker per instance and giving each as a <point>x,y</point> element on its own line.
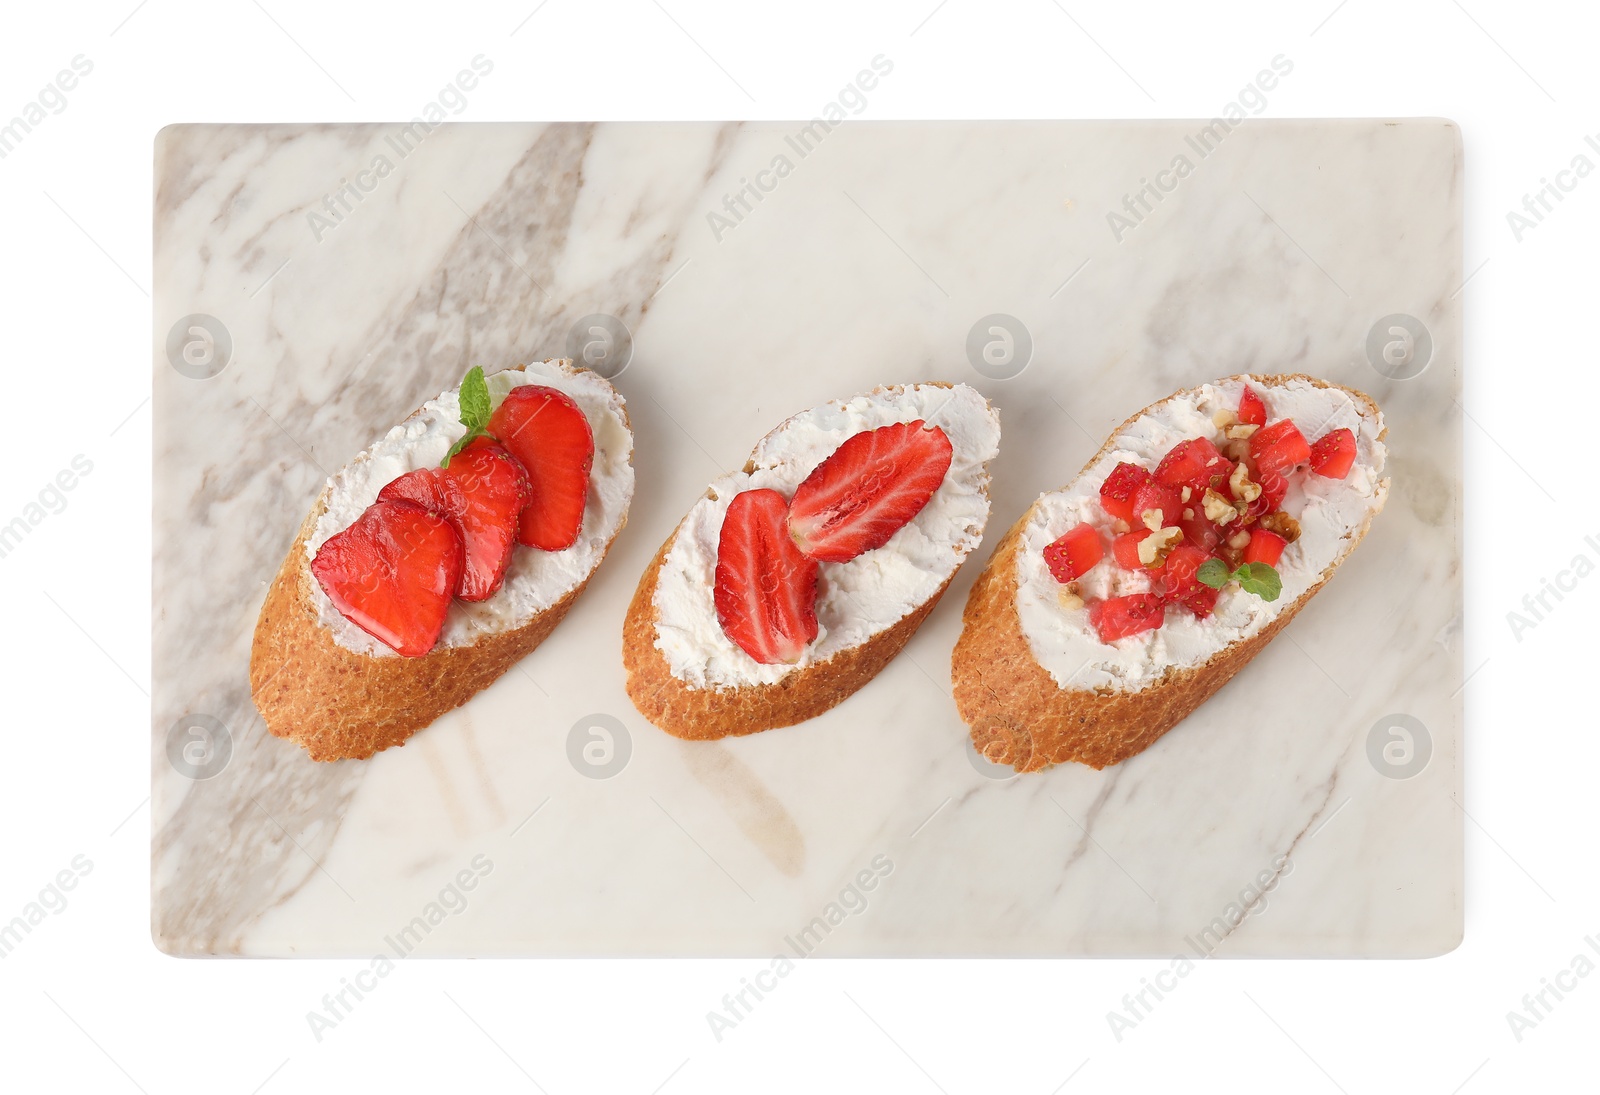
<point>1116,493</point>
<point>1264,547</point>
<point>1252,411</point>
<point>1199,530</point>
<point>766,588</point>
<point>482,493</point>
<point>871,487</point>
<point>548,433</point>
<point>392,573</point>
<point>1277,449</point>
<point>1119,617</point>
<point>1334,454</point>
<point>1191,464</point>
<point>1180,585</point>
<point>1074,553</point>
<point>1125,548</point>
<point>1166,499</point>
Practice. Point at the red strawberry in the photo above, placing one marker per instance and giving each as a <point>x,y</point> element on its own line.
<point>766,589</point>
<point>548,433</point>
<point>870,487</point>
<point>392,574</point>
<point>483,493</point>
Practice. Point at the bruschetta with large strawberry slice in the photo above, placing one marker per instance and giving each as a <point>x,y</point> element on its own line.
<point>1117,605</point>
<point>441,556</point>
<point>793,582</point>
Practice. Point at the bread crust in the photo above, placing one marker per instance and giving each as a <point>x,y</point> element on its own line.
<point>1016,712</point>
<point>705,714</point>
<point>339,704</point>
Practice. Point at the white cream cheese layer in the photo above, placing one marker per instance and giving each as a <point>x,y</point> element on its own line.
<point>855,600</point>
<point>536,579</point>
<point>1331,514</point>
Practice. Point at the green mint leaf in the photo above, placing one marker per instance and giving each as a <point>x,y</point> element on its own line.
<point>471,435</point>
<point>475,405</point>
<point>1260,579</point>
<point>1214,573</point>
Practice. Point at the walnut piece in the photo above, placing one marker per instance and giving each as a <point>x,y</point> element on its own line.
<point>1283,525</point>
<point>1154,549</point>
<point>1241,431</point>
<point>1243,489</point>
<point>1219,509</point>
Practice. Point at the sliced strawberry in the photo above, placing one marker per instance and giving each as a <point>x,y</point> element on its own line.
<point>1074,553</point>
<point>1116,493</point>
<point>1193,464</point>
<point>1264,547</point>
<point>870,487</point>
<point>766,588</point>
<point>1334,454</point>
<point>1125,548</point>
<point>1167,500</point>
<point>548,433</point>
<point>483,493</point>
<point>1199,530</point>
<point>1118,617</point>
<point>1252,411</point>
<point>1180,585</point>
<point>1277,449</point>
<point>392,574</point>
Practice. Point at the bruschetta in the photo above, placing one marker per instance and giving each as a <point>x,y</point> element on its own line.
<point>1117,605</point>
<point>793,582</point>
<point>441,556</point>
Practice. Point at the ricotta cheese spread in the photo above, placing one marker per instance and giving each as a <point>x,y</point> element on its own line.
<point>536,579</point>
<point>1331,515</point>
<point>855,600</point>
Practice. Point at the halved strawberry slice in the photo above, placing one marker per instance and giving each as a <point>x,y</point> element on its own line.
<point>1118,617</point>
<point>870,487</point>
<point>548,433</point>
<point>1074,553</point>
<point>483,493</point>
<point>1252,411</point>
<point>392,574</point>
<point>1334,454</point>
<point>1116,493</point>
<point>766,589</point>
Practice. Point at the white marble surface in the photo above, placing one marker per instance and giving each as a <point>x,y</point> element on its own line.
<point>867,264</point>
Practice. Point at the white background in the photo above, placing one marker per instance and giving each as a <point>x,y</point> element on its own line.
<point>87,1003</point>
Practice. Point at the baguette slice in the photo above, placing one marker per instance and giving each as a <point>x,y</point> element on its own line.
<point>1029,716</point>
<point>691,680</point>
<point>322,682</point>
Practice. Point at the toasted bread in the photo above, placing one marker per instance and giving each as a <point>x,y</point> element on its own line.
<point>320,682</point>
<point>690,701</point>
<point>1021,714</point>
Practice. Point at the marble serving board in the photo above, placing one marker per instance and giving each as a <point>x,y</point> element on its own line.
<point>337,276</point>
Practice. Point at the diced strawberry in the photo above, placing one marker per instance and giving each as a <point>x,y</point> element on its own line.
<point>1116,493</point>
<point>1157,496</point>
<point>548,433</point>
<point>872,486</point>
<point>1179,585</point>
<point>1074,553</point>
<point>1119,617</point>
<point>482,493</point>
<point>1277,449</point>
<point>1252,411</point>
<point>1334,454</point>
<point>1191,464</point>
<point>766,588</point>
<point>392,573</point>
<point>1199,530</point>
<point>1125,548</point>
<point>1264,547</point>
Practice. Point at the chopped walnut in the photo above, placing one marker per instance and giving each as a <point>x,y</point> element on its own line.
<point>1151,519</point>
<point>1241,431</point>
<point>1069,598</point>
<point>1236,450</point>
<point>1187,494</point>
<point>1239,540</point>
<point>1283,525</point>
<point>1224,418</point>
<point>1119,526</point>
<point>1243,489</point>
<point>1219,509</point>
<point>1154,549</point>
